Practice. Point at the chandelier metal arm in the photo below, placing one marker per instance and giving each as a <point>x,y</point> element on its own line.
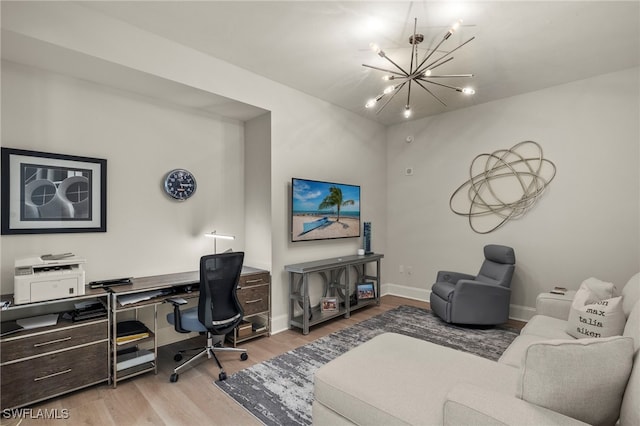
<point>395,92</point>
<point>443,56</point>
<point>403,74</point>
<point>397,66</point>
<point>430,54</point>
<point>430,92</point>
<point>414,47</point>
<point>432,67</point>
<point>451,76</point>
<point>457,89</point>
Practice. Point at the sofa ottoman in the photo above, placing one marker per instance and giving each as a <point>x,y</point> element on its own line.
<point>368,384</point>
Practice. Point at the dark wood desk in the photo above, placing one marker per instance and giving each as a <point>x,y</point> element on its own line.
<point>253,293</point>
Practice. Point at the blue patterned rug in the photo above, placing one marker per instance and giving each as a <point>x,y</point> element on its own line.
<point>279,391</point>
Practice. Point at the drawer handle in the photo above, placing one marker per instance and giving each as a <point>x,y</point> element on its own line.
<point>253,301</point>
<point>259,280</point>
<point>48,376</point>
<point>37,345</point>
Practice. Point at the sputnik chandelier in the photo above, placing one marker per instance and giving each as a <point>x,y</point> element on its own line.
<point>418,72</point>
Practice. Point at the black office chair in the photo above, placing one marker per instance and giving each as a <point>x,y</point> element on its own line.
<point>218,311</point>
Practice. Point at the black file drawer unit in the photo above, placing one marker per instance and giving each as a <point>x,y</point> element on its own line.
<point>45,362</point>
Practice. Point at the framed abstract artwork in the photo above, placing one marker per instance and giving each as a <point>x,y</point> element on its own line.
<point>46,193</point>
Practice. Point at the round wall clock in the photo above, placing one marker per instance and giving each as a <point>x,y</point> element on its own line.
<point>180,184</point>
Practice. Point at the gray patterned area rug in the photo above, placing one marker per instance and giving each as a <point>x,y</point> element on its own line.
<point>279,391</point>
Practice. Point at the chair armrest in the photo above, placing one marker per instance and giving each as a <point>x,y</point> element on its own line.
<point>555,305</point>
<point>480,292</point>
<point>468,404</point>
<point>475,302</point>
<point>453,277</point>
<point>177,314</point>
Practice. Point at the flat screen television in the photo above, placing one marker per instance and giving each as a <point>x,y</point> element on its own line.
<point>324,210</point>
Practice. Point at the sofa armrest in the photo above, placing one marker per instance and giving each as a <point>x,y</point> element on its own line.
<point>468,404</point>
<point>555,305</point>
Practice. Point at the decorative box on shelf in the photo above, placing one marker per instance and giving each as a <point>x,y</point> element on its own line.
<point>244,329</point>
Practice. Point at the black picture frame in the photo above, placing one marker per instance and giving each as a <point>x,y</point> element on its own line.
<point>365,291</point>
<point>47,193</point>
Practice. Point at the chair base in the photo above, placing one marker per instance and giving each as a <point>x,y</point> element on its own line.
<point>209,350</point>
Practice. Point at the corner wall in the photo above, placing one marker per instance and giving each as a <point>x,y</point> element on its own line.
<point>309,138</point>
<point>586,223</point>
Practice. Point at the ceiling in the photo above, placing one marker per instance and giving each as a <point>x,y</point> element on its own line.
<point>318,47</point>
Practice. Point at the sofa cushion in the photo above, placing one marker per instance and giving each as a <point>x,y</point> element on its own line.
<point>599,289</point>
<point>594,316</point>
<point>514,354</point>
<point>396,379</point>
<point>544,326</point>
<point>584,378</point>
<point>630,410</point>
<point>631,294</point>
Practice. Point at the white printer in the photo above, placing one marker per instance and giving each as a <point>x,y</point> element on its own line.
<point>47,277</point>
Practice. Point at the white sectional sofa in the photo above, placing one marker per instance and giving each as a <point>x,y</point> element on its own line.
<point>545,377</point>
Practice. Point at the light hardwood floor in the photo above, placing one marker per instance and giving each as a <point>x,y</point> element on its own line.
<point>194,400</point>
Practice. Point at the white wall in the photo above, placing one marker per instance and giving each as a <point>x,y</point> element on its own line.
<point>142,139</point>
<point>257,192</point>
<point>309,138</point>
<point>586,224</point>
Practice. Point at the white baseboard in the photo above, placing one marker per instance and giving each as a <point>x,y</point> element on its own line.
<point>516,312</point>
<point>279,323</point>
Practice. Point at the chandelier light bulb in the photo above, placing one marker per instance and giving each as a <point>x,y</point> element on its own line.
<point>388,77</point>
<point>427,73</point>
<point>370,103</point>
<point>407,111</point>
<point>455,26</point>
<point>389,89</point>
<point>468,91</point>
<point>375,47</point>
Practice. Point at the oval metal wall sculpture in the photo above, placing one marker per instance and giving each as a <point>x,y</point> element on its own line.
<point>502,185</point>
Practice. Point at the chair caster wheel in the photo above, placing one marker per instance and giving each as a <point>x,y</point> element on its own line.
<point>177,358</point>
<point>222,376</point>
<point>244,356</point>
<point>174,378</point>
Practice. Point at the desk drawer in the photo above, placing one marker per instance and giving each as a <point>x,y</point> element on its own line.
<point>32,345</point>
<point>253,279</point>
<point>38,378</point>
<point>254,299</point>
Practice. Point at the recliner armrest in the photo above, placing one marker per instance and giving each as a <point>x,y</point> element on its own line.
<point>468,404</point>
<point>453,277</point>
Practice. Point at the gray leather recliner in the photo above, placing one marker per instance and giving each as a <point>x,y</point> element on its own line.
<point>482,299</point>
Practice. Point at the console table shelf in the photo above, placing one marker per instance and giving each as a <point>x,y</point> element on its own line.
<point>337,280</point>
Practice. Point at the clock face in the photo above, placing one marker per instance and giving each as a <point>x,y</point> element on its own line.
<point>180,184</point>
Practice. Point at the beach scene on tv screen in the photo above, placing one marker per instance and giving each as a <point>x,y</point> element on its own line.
<point>322,210</point>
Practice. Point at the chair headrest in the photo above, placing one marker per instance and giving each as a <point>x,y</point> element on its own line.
<point>500,254</point>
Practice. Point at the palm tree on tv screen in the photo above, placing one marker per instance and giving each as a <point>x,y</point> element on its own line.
<point>335,199</point>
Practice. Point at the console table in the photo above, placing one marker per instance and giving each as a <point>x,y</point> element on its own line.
<point>337,279</point>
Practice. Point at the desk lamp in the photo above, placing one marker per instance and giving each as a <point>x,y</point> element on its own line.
<point>217,236</point>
